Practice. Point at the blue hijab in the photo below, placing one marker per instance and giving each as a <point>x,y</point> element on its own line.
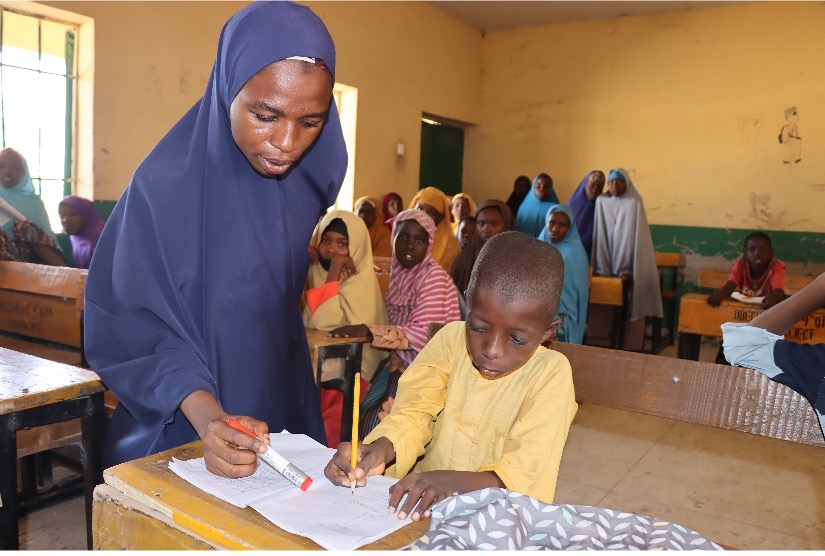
<point>584,210</point>
<point>179,301</point>
<point>532,212</point>
<point>575,293</point>
<point>23,198</point>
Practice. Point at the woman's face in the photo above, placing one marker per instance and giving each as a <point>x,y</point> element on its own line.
<point>393,206</point>
<point>461,208</point>
<point>411,243</point>
<point>72,221</point>
<point>558,226</point>
<point>595,185</point>
<point>279,113</point>
<point>543,189</point>
<point>466,231</point>
<point>432,211</point>
<point>333,243</point>
<point>367,213</point>
<point>11,169</point>
<point>489,222</point>
<point>616,187</point>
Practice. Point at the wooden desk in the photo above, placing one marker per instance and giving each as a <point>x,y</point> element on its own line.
<point>612,291</point>
<point>143,505</point>
<point>697,319</point>
<point>35,393</point>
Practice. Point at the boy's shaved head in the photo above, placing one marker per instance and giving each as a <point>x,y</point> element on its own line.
<point>516,266</point>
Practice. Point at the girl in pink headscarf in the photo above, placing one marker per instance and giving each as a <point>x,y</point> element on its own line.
<point>84,226</point>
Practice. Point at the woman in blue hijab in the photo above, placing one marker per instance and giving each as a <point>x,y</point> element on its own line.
<point>560,231</point>
<point>190,321</point>
<point>533,210</point>
<point>25,234</point>
<point>583,205</point>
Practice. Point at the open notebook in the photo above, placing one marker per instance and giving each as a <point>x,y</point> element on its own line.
<point>332,516</point>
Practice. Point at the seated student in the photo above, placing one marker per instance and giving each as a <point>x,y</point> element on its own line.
<point>533,211</point>
<point>392,205</point>
<point>755,274</point>
<point>521,187</point>
<point>562,234</point>
<point>583,205</point>
<point>492,218</point>
<point>26,233</point>
<point>484,404</point>
<point>461,205</point>
<point>342,289</point>
<point>760,345</point>
<point>83,224</point>
<point>435,203</point>
<point>368,210</point>
<point>623,246</point>
<point>420,293</point>
<point>466,230</point>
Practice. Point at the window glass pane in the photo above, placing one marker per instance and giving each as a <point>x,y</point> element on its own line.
<point>53,47</point>
<point>20,110</point>
<point>51,119</point>
<point>20,40</point>
<point>51,192</point>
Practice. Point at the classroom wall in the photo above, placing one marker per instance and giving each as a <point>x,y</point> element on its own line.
<point>152,62</point>
<point>691,103</point>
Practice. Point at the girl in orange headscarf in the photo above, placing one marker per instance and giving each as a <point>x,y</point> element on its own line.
<point>435,203</point>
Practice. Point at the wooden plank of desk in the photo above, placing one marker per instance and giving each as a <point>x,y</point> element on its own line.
<point>208,519</point>
<point>606,290</point>
<point>714,279</point>
<point>697,317</point>
<point>27,382</point>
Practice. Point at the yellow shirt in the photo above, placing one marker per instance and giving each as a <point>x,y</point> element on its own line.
<point>515,426</point>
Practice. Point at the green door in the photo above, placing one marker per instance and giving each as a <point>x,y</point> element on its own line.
<point>442,157</point>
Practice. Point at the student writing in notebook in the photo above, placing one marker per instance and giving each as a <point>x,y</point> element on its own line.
<point>484,404</point>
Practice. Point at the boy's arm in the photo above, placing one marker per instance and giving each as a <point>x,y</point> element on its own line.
<point>715,299</point>
<point>781,317</point>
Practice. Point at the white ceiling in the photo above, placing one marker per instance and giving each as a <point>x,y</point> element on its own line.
<point>492,15</point>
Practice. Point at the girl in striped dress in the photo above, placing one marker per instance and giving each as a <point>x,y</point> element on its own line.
<point>420,292</point>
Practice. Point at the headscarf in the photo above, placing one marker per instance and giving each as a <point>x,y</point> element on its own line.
<point>24,199</point>
<point>359,299</point>
<point>83,244</point>
<point>575,293</point>
<point>583,209</point>
<point>380,238</point>
<point>516,198</point>
<point>446,247</point>
<point>385,205</point>
<point>463,265</point>
<point>176,299</point>
<point>622,243</point>
<point>455,222</point>
<point>532,212</point>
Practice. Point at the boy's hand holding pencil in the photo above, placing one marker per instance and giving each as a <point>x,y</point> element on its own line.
<point>372,460</point>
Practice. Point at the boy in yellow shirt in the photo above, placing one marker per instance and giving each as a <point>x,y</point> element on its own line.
<point>484,404</point>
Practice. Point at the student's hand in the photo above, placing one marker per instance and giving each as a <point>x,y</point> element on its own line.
<point>626,277</point>
<point>386,407</point>
<point>372,460</point>
<point>341,267</point>
<point>715,299</point>
<point>229,452</point>
<point>423,491</point>
<point>350,331</point>
<point>773,298</point>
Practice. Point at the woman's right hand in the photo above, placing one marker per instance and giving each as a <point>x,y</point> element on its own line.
<point>229,452</point>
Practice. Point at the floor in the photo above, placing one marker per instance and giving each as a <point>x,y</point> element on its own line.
<point>741,491</point>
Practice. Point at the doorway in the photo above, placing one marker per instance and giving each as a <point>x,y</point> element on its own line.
<point>442,156</point>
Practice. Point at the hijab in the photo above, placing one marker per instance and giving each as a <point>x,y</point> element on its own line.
<point>533,211</point>
<point>622,243</point>
<point>575,293</point>
<point>463,266</point>
<point>400,291</point>
<point>83,244</point>
<point>386,206</point>
<point>453,222</point>
<point>516,198</point>
<point>380,238</point>
<point>584,210</point>
<point>176,300</point>
<point>445,245</point>
<point>25,200</point>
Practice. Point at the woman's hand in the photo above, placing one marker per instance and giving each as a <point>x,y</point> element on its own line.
<point>372,460</point>
<point>350,331</point>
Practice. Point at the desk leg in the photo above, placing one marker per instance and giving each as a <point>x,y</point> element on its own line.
<point>689,346</point>
<point>92,424</point>
<point>9,536</point>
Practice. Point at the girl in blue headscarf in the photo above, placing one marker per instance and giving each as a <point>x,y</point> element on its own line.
<point>533,210</point>
<point>26,233</point>
<point>190,321</point>
<point>561,232</point>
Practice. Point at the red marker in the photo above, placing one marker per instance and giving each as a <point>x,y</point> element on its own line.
<point>276,460</point>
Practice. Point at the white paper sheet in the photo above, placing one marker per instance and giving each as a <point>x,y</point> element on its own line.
<point>332,516</point>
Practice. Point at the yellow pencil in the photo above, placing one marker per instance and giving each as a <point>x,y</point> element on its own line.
<point>356,403</point>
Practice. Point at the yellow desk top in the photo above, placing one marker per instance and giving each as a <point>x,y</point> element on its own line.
<point>150,481</point>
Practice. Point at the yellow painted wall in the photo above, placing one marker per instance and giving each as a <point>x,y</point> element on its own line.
<point>692,103</point>
<point>152,62</point>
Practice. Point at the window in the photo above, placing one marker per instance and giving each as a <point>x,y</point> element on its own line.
<point>346,98</point>
<point>37,99</point>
